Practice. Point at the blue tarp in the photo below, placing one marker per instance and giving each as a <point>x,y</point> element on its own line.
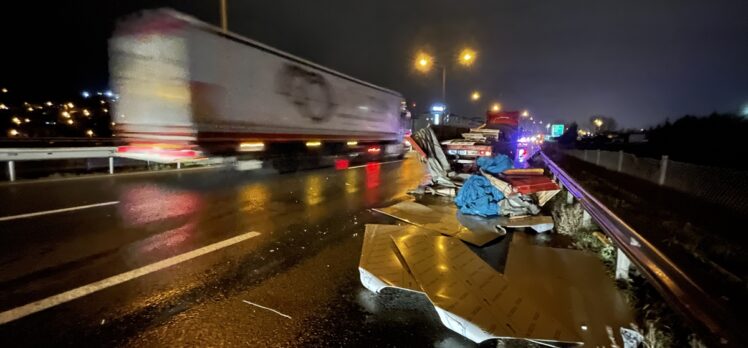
<point>495,164</point>
<point>478,197</point>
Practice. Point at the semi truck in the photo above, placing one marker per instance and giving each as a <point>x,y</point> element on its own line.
<point>187,90</point>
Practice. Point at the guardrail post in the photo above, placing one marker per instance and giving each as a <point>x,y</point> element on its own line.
<point>622,265</point>
<point>12,170</point>
<point>179,165</point>
<point>663,170</point>
<point>597,160</point>
<point>586,218</point>
<point>620,160</point>
<point>111,165</point>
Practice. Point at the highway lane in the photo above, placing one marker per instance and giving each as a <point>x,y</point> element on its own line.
<point>299,257</point>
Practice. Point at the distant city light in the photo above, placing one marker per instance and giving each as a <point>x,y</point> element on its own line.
<point>108,94</point>
<point>12,132</point>
<point>27,120</point>
<point>3,107</point>
<point>86,113</point>
<point>49,103</point>
<point>65,114</point>
<point>90,133</point>
<point>16,120</point>
<point>5,90</point>
<point>70,105</point>
<point>105,109</point>
<point>85,94</point>
<point>70,122</point>
<point>438,108</point>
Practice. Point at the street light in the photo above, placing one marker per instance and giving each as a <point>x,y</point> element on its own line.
<point>525,113</point>
<point>467,57</point>
<point>424,62</point>
<point>496,107</point>
<point>475,96</point>
<point>598,122</point>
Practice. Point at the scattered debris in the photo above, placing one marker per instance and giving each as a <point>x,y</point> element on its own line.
<point>527,184</point>
<point>524,171</point>
<point>518,205</point>
<point>436,160</point>
<point>270,309</point>
<point>470,297</point>
<point>478,197</point>
<point>545,196</point>
<point>538,223</point>
<point>445,220</point>
<point>572,285</point>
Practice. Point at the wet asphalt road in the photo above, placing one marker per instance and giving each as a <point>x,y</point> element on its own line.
<point>303,264</point>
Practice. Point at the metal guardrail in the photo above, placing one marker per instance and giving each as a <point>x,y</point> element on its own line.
<point>61,153</point>
<point>672,282</point>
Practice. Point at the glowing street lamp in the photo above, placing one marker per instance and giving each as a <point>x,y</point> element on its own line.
<point>475,96</point>
<point>424,62</point>
<point>467,57</point>
<point>496,107</point>
<point>598,122</point>
<point>525,113</point>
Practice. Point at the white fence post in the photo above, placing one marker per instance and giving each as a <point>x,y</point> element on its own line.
<point>111,165</point>
<point>12,170</point>
<point>597,160</point>
<point>622,265</point>
<point>179,165</point>
<point>620,160</point>
<point>663,170</point>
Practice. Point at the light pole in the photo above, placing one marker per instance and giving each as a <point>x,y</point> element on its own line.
<point>424,62</point>
<point>224,17</point>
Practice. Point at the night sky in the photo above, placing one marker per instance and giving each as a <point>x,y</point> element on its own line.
<point>637,61</point>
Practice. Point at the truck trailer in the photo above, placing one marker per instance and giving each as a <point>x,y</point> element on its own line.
<point>188,90</point>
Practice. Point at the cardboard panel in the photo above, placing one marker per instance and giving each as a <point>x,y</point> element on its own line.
<point>380,265</point>
<point>574,286</point>
<point>471,298</point>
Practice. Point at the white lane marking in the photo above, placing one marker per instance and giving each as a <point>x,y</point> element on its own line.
<point>270,309</point>
<point>55,211</point>
<point>67,296</point>
<point>364,165</point>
